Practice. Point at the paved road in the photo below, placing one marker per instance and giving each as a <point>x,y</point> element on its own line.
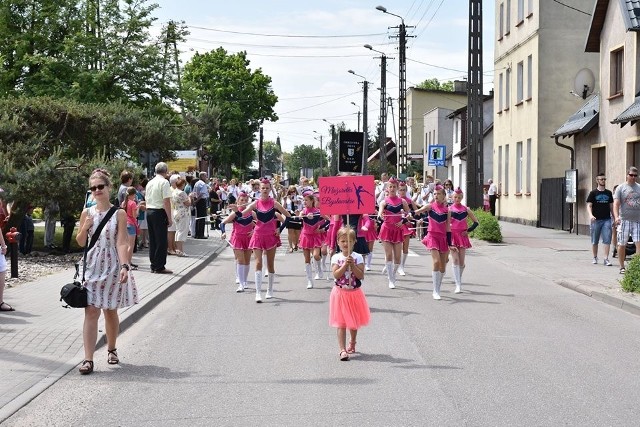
<point>513,349</point>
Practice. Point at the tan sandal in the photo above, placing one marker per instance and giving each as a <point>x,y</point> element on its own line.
<point>351,348</point>
<point>112,357</point>
<point>344,356</point>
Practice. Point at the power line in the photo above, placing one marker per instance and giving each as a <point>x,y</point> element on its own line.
<point>285,35</point>
<point>571,7</point>
<point>276,46</point>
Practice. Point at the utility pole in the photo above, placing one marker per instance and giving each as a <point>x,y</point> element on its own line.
<point>260,154</point>
<point>475,158</point>
<point>365,128</point>
<point>382,131</point>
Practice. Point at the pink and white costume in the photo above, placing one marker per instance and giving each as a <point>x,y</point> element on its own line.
<point>459,226</point>
<point>265,235</point>
<point>389,231</point>
<point>332,233</point>
<point>371,235</point>
<point>436,237</point>
<point>310,237</point>
<point>409,226</point>
<point>241,233</point>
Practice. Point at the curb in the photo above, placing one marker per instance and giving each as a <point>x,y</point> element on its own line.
<point>602,297</point>
<point>127,320</point>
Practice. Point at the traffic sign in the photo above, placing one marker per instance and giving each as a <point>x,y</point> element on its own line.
<point>437,154</point>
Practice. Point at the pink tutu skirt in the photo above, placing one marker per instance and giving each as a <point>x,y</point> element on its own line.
<point>240,241</point>
<point>391,233</point>
<point>264,241</point>
<point>460,241</point>
<point>437,241</point>
<point>311,240</point>
<point>348,308</point>
<point>371,235</point>
<point>407,229</point>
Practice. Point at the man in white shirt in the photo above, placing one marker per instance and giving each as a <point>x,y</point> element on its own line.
<point>200,195</point>
<point>493,196</point>
<point>158,201</point>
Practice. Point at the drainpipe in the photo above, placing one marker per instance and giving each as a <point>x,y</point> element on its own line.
<point>573,166</point>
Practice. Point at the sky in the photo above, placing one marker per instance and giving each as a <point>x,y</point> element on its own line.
<point>307,48</point>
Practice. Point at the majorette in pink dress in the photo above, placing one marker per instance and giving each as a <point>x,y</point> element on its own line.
<point>371,235</point>
<point>389,231</point>
<point>241,233</point>
<point>459,226</point>
<point>310,237</point>
<point>264,235</point>
<point>436,237</point>
<point>409,226</point>
<point>332,232</point>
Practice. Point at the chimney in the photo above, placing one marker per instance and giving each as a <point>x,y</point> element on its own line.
<point>460,86</point>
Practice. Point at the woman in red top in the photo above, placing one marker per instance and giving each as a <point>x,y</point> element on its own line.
<point>131,207</point>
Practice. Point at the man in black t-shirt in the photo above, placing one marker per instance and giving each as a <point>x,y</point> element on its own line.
<point>599,206</point>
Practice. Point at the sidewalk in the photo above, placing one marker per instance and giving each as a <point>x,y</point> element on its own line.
<point>41,341</point>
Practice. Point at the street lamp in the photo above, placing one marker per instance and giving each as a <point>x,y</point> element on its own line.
<point>382,125</point>
<point>402,100</point>
<point>333,149</point>
<point>321,151</point>
<point>365,136</point>
<point>358,107</point>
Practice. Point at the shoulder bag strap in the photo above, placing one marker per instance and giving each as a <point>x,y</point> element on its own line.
<point>94,237</point>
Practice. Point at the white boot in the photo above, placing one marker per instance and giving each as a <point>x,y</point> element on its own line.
<point>367,264</point>
<point>324,265</point>
<point>246,274</point>
<point>240,275</point>
<point>458,278</point>
<point>307,268</point>
<point>272,277</point>
<point>391,274</point>
<point>384,269</point>
<point>437,280</point>
<point>258,285</point>
<point>264,262</point>
<point>318,265</point>
<point>401,268</point>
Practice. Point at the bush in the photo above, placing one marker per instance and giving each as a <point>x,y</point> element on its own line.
<point>488,228</point>
<point>631,280</point>
<point>38,213</point>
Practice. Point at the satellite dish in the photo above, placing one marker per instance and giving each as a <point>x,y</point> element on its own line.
<point>584,83</point>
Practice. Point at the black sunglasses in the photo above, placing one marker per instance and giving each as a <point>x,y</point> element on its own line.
<point>633,174</point>
<point>97,187</point>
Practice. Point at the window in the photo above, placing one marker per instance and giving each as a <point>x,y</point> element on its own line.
<point>529,76</point>
<point>506,169</point>
<point>500,92</point>
<point>519,88</point>
<point>530,8</point>
<point>617,67</point>
<point>456,124</point>
<point>507,88</point>
<point>598,161</point>
<point>520,12</point>
<point>501,24</point>
<point>528,187</point>
<point>636,153</point>
<point>519,167</point>
<point>499,179</point>
<point>508,20</point>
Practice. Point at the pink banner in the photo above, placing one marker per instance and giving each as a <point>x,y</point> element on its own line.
<point>342,195</point>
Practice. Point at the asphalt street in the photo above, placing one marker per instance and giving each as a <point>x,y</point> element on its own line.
<point>513,349</point>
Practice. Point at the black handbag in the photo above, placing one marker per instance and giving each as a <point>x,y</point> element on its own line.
<point>74,294</point>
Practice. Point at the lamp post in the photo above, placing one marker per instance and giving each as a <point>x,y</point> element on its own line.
<point>382,125</point>
<point>402,100</point>
<point>358,107</point>
<point>365,136</point>
<point>321,151</point>
<point>333,169</point>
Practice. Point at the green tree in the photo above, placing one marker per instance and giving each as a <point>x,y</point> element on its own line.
<point>304,156</point>
<point>435,84</point>
<point>244,98</point>
<point>271,158</point>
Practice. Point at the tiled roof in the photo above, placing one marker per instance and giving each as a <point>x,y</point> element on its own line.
<point>630,14</point>
<point>631,114</point>
<point>583,120</point>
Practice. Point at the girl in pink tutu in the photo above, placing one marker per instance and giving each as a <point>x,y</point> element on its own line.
<point>459,236</point>
<point>266,235</point>
<point>409,227</point>
<point>311,237</point>
<point>392,210</point>
<point>348,307</point>
<point>438,238</point>
<point>368,229</point>
<point>240,237</point>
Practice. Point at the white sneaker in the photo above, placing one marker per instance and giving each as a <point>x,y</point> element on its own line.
<point>258,298</point>
<point>367,268</point>
<point>458,290</point>
<point>401,271</point>
<point>436,296</point>
<point>595,260</point>
<point>237,280</point>
<point>266,273</point>
<point>240,289</point>
<point>392,285</point>
<point>309,284</point>
<point>317,276</point>
<point>269,294</point>
<point>607,262</point>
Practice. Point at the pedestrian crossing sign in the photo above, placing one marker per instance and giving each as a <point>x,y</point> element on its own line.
<point>436,155</point>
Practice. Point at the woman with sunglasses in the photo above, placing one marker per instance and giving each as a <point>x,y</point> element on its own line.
<point>109,283</point>
<point>448,191</point>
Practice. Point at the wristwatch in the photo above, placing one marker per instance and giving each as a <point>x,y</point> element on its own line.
<point>126,267</point>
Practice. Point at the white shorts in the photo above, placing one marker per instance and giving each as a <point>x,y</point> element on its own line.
<point>626,229</point>
<point>3,264</point>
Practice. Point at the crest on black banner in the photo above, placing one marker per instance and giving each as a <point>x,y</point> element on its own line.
<point>351,152</point>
